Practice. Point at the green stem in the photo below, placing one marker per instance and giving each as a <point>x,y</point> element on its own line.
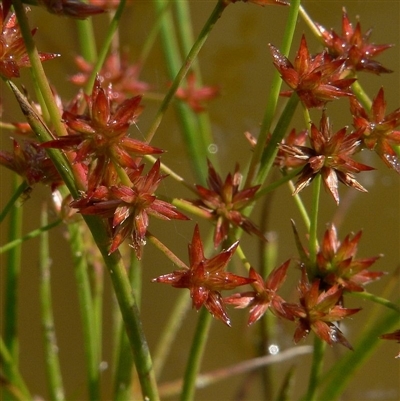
<point>169,333</point>
<point>33,234</point>
<point>13,382</point>
<point>196,354</point>
<point>257,162</point>
<point>52,363</point>
<point>11,291</point>
<point>379,300</point>
<point>129,309</point>
<point>340,375</point>
<point>87,40</point>
<point>106,45</point>
<point>124,362</point>
<point>196,148</point>
<point>11,202</point>
<point>313,242</point>
<point>187,40</point>
<point>316,369</point>
<point>91,346</point>
<point>270,151</point>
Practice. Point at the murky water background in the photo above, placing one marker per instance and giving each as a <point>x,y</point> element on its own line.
<point>236,57</point>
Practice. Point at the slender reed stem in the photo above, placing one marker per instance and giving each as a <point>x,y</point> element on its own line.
<point>91,346</point>
<point>196,355</point>
<point>13,266</point>
<point>52,362</point>
<point>112,28</point>
<point>339,376</point>
<point>87,39</point>
<point>14,384</point>
<point>11,202</point>
<point>33,234</point>
<point>313,242</point>
<point>316,369</point>
<point>259,152</point>
<point>169,333</point>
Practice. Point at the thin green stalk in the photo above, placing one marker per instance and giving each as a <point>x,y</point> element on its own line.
<point>112,28</point>
<point>13,383</point>
<point>300,205</point>
<point>316,369</point>
<point>169,332</point>
<point>339,376</point>
<point>187,39</point>
<point>13,266</point>
<point>52,363</point>
<point>90,336</point>
<point>196,355</point>
<point>196,148</point>
<point>313,242</point>
<point>258,160</point>
<point>11,202</point>
<point>277,183</point>
<point>37,69</point>
<point>87,39</point>
<point>123,373</point>
<point>33,234</point>
<point>270,151</point>
<point>129,309</point>
<point>379,300</point>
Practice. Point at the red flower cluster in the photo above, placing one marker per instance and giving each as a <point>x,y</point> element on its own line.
<point>316,80</point>
<point>353,47</point>
<point>378,129</point>
<point>127,208</point>
<point>117,71</point>
<point>13,55</point>
<point>195,96</point>
<point>100,137</point>
<point>329,155</point>
<point>224,202</point>
<point>206,278</point>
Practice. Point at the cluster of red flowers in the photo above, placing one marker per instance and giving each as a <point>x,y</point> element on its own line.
<point>118,189</point>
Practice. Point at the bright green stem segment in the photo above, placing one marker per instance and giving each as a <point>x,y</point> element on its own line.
<point>196,355</point>
<point>316,369</point>
<point>52,363</point>
<point>17,388</point>
<point>13,265</point>
<point>313,242</point>
<point>196,145</point>
<point>257,167</point>
<point>106,45</point>
<point>91,346</point>
<point>343,371</point>
<point>15,196</point>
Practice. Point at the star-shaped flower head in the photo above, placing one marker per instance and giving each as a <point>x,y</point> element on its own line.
<point>318,310</point>
<point>354,47</point>
<point>316,80</point>
<point>196,96</point>
<point>378,129</point>
<point>31,162</point>
<point>128,207</point>
<point>206,278</point>
<point>336,262</point>
<point>264,296</point>
<point>13,55</point>
<point>117,71</point>
<point>101,137</point>
<point>329,155</point>
<point>224,202</point>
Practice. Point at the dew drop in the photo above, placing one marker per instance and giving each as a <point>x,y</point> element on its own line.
<point>273,349</point>
<point>212,148</point>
